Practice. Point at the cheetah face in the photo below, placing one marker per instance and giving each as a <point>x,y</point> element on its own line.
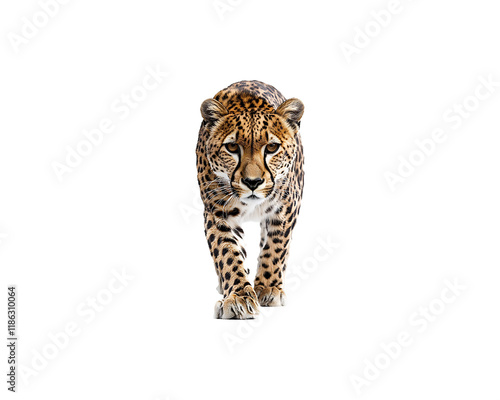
<point>252,152</point>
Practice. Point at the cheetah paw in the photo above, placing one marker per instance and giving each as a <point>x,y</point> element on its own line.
<point>270,296</point>
<point>241,305</point>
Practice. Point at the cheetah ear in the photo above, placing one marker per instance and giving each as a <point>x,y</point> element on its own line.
<point>212,110</point>
<point>292,110</point>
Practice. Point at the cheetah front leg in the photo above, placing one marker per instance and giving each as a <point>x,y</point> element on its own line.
<point>276,232</point>
<point>240,300</point>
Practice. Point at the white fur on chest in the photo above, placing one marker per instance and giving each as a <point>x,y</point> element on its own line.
<point>256,211</point>
<point>253,213</point>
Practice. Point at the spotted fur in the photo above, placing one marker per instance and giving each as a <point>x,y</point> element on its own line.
<point>242,177</point>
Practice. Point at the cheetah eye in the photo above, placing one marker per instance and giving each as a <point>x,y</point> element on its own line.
<point>232,147</point>
<point>272,148</point>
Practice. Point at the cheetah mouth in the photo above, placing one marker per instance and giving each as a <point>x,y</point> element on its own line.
<point>252,199</point>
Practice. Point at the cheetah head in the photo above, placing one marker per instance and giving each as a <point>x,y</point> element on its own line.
<point>251,151</point>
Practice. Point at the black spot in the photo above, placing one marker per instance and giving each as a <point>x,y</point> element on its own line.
<point>230,261</point>
<point>211,238</point>
<point>224,251</point>
<point>267,274</point>
<point>223,228</point>
<point>216,252</point>
<point>209,224</point>
<point>236,281</point>
<point>227,275</point>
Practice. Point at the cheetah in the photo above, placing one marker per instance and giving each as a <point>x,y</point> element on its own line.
<point>250,167</point>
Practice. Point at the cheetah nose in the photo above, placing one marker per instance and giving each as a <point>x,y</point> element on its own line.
<point>253,183</point>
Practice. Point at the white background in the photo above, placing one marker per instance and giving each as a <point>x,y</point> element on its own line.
<point>132,203</point>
